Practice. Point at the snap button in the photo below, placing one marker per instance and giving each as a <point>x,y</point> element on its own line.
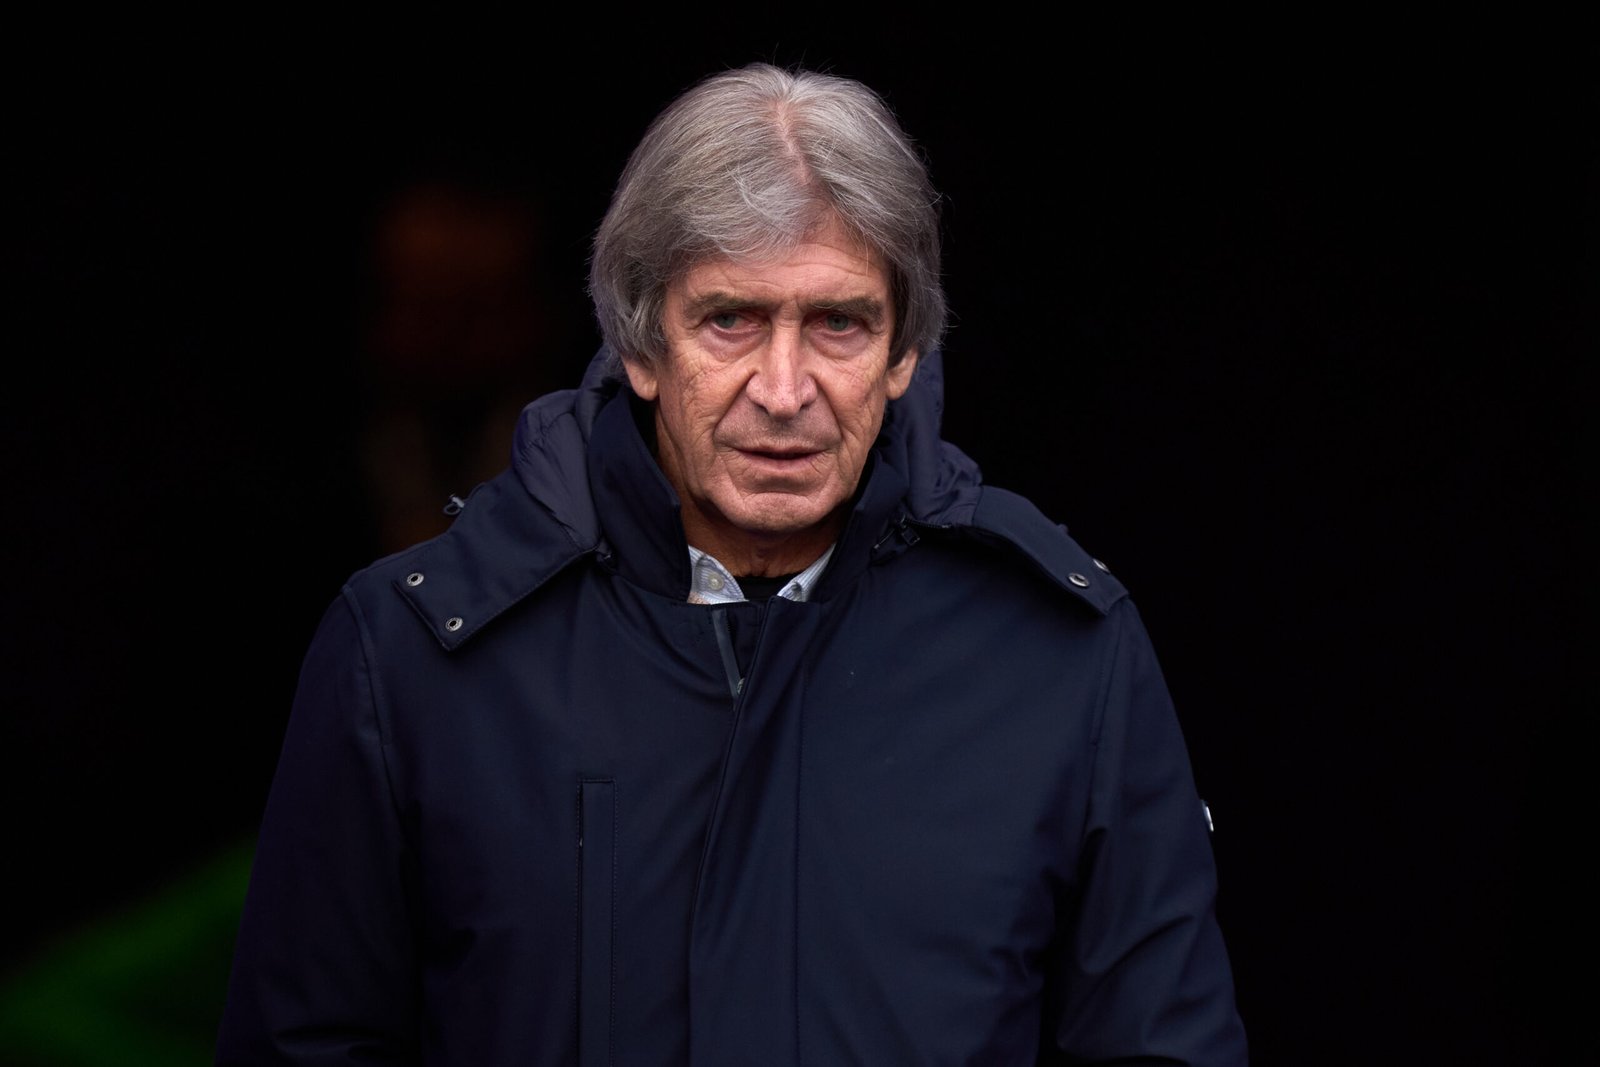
<point>453,624</point>
<point>414,578</point>
<point>714,582</point>
<point>1078,580</point>
<point>1102,566</point>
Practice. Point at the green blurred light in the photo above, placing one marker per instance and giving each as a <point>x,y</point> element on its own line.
<point>144,986</point>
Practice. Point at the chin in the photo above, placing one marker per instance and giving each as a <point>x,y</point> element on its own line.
<point>779,525</point>
<point>780,518</point>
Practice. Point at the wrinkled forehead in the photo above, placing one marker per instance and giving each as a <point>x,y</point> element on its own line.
<point>825,258</point>
<point>764,241</point>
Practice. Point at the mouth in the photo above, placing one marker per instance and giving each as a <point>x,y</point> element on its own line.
<point>780,453</point>
<point>780,460</point>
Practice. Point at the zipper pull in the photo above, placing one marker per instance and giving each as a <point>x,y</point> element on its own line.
<point>730,665</point>
<point>902,531</point>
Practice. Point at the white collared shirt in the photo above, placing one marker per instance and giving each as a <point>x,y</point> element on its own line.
<point>710,582</point>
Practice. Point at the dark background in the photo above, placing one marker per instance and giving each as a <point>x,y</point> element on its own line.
<point>1290,335</point>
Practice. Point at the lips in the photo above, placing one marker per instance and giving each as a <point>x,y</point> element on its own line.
<point>779,449</point>
<point>785,463</point>
<point>780,453</point>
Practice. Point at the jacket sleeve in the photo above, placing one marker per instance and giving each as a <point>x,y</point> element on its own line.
<point>1144,976</point>
<point>324,968</point>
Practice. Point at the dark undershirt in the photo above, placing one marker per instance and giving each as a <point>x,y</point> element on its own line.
<point>755,588</point>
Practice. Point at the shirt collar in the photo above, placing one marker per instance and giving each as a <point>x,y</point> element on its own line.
<point>710,582</point>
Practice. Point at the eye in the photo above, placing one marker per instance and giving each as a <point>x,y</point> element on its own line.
<point>725,320</point>
<point>838,321</point>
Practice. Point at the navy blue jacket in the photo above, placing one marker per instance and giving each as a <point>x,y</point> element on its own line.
<point>534,807</point>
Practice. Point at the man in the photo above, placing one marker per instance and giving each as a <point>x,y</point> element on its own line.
<point>738,722</point>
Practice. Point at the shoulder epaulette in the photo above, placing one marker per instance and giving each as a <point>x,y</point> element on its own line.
<point>1013,518</point>
<point>491,557</point>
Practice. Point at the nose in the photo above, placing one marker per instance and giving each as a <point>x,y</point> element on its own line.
<point>782,385</point>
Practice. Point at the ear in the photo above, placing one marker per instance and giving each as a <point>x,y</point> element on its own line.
<point>898,378</point>
<point>643,378</point>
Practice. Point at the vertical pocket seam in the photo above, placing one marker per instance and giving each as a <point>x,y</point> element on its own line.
<point>597,919</point>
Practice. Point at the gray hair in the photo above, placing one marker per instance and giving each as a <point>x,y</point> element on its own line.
<point>746,165</point>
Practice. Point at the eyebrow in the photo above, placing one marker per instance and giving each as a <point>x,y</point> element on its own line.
<point>865,308</point>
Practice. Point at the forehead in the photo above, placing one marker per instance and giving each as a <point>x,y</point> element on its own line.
<point>827,264</point>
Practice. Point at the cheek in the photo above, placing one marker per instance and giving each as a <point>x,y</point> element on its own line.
<point>860,410</point>
<point>865,432</point>
<point>697,406</point>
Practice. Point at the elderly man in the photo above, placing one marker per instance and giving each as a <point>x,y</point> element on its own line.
<point>738,722</point>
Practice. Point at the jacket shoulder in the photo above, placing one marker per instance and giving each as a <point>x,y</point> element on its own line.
<point>1014,520</point>
<point>500,548</point>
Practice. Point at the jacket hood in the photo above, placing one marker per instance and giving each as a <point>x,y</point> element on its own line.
<point>541,516</point>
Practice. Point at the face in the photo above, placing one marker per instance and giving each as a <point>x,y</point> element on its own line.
<point>770,396</point>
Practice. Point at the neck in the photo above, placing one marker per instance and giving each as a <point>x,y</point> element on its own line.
<point>767,556</point>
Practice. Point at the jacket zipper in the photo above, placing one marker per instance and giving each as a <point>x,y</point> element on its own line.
<point>730,662</point>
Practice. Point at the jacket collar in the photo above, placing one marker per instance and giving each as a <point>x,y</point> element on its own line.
<point>584,484</point>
